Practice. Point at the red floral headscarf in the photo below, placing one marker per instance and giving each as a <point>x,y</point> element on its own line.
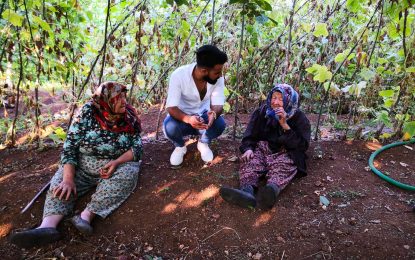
<point>106,96</point>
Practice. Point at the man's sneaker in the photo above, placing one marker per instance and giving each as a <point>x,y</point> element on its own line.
<point>205,151</point>
<point>176,157</point>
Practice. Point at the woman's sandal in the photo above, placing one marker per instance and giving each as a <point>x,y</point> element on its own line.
<point>82,225</point>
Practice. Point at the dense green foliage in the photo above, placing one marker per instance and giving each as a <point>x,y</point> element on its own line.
<point>360,53</point>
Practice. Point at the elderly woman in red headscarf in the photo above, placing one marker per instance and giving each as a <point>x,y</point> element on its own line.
<point>103,148</point>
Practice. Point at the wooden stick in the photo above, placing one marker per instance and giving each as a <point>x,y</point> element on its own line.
<point>35,198</point>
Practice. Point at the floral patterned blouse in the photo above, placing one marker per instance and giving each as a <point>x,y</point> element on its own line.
<point>86,137</point>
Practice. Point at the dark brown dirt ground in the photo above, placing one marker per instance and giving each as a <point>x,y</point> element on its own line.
<point>178,213</point>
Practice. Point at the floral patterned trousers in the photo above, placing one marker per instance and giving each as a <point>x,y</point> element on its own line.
<point>109,195</point>
<point>278,167</point>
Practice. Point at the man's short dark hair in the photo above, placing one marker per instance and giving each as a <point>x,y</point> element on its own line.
<point>208,56</point>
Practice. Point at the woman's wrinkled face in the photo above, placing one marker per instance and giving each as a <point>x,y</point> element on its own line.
<point>119,107</point>
<point>277,100</point>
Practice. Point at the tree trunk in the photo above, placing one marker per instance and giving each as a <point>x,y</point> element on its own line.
<point>105,42</point>
<point>237,73</point>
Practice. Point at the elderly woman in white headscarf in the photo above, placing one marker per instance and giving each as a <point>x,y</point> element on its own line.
<point>273,146</point>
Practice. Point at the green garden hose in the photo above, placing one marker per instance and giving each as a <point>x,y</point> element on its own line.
<point>383,176</point>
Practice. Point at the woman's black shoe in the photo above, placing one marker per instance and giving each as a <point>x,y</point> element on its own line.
<point>35,237</point>
<point>267,196</point>
<point>238,197</point>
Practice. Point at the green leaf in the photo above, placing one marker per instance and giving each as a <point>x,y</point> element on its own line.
<point>45,26</point>
<point>51,7</point>
<point>392,31</point>
<point>60,133</point>
<point>12,17</point>
<point>306,27</point>
<point>382,61</point>
<point>178,2</point>
<point>367,74</point>
<point>226,92</point>
<point>334,88</point>
<point>35,3</point>
<point>226,107</point>
<point>340,57</point>
<point>89,15</point>
<point>321,73</point>
<point>384,118</point>
<point>410,69</point>
<point>351,56</point>
<point>380,69</point>
<point>264,5</point>
<point>321,30</point>
<point>311,69</point>
<point>72,2</point>
<point>55,138</point>
<point>385,136</point>
<point>409,127</point>
<point>237,2</point>
<point>272,20</point>
<point>353,5</point>
<point>401,53</point>
<point>387,93</point>
<point>355,89</point>
<point>361,85</point>
<point>389,102</point>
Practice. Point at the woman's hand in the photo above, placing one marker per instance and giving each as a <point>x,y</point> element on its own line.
<point>247,156</point>
<point>109,168</point>
<point>282,115</point>
<point>64,189</point>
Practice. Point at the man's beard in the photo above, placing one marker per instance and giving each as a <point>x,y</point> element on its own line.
<point>209,80</point>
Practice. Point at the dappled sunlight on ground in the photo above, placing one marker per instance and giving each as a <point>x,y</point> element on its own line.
<point>44,133</point>
<point>150,135</point>
<point>373,146</point>
<point>264,218</point>
<point>349,142</point>
<point>169,208</point>
<point>6,177</point>
<point>24,138</point>
<point>166,187</point>
<point>196,199</point>
<point>217,160</point>
<point>53,166</point>
<point>5,229</point>
<point>377,164</point>
<point>183,196</point>
<point>189,198</point>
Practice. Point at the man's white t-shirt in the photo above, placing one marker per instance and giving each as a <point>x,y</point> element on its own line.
<point>183,92</point>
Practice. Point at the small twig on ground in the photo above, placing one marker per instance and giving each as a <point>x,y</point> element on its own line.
<point>313,255</point>
<point>224,228</point>
<point>282,257</point>
<point>82,242</point>
<point>186,220</point>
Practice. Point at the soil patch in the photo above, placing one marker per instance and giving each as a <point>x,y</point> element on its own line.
<point>177,213</point>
